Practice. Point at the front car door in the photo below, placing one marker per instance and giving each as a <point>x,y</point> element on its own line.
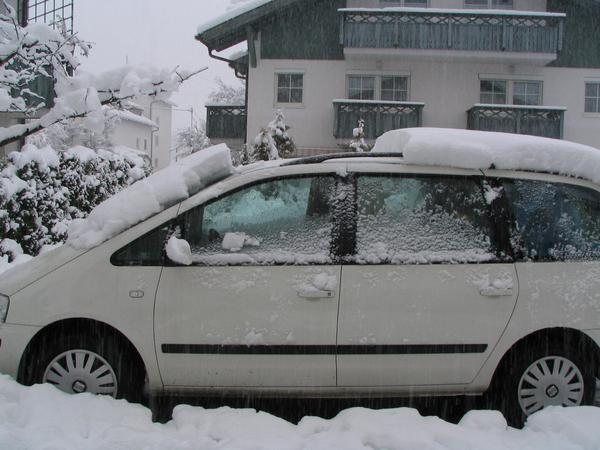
<point>427,293</point>
<point>258,307</point>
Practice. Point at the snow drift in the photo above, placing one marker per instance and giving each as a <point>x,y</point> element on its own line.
<point>44,417</point>
<point>484,150</point>
<point>151,196</point>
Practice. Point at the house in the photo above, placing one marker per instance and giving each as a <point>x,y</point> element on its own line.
<point>36,11</point>
<point>519,66</point>
<point>146,125</point>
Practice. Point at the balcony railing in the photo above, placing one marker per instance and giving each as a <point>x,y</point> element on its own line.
<point>452,30</point>
<point>533,120</point>
<point>379,117</point>
<point>226,121</point>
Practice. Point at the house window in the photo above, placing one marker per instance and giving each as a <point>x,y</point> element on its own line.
<point>290,87</point>
<point>361,87</point>
<point>592,97</point>
<point>408,3</point>
<point>492,4</point>
<point>137,143</point>
<point>394,88</point>
<point>493,92</point>
<point>527,93</point>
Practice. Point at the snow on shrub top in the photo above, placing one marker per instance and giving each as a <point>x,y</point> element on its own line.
<point>151,196</point>
<point>484,150</point>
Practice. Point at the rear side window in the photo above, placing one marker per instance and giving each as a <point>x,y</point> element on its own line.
<point>278,222</point>
<point>422,220</point>
<point>553,221</point>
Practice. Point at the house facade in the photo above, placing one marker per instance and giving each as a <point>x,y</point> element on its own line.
<point>519,66</point>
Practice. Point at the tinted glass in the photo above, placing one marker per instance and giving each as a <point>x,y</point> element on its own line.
<point>144,251</point>
<point>555,221</point>
<point>278,222</point>
<point>422,220</point>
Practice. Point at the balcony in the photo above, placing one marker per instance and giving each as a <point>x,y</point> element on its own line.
<point>512,36</point>
<point>226,122</point>
<point>534,120</point>
<point>379,117</point>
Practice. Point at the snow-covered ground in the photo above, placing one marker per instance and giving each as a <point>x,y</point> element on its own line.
<point>41,417</point>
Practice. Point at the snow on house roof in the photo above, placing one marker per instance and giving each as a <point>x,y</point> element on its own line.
<point>229,15</point>
<point>486,12</point>
<point>150,196</point>
<point>485,150</point>
<point>131,117</point>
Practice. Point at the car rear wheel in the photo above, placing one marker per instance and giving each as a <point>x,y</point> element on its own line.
<point>536,378</point>
<point>77,364</point>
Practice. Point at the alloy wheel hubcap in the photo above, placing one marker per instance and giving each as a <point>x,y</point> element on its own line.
<point>77,371</point>
<point>550,381</point>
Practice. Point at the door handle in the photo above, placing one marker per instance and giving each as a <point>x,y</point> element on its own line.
<point>315,293</point>
<point>491,291</point>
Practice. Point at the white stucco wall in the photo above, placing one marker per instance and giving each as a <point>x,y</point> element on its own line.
<point>448,90</point>
<point>132,135</point>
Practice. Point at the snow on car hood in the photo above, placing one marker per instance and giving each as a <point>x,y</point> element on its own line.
<point>22,275</point>
<point>150,196</point>
<point>484,150</point>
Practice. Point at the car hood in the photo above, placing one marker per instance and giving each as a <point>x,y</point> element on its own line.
<point>21,276</point>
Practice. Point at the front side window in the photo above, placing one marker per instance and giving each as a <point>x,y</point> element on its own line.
<point>527,93</point>
<point>592,97</point>
<point>285,221</point>
<point>422,220</point>
<point>554,222</point>
<point>361,87</point>
<point>394,88</point>
<point>493,92</point>
<point>290,87</point>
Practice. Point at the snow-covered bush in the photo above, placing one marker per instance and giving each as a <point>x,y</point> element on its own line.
<point>42,190</point>
<point>359,145</point>
<point>224,94</point>
<point>273,142</point>
<point>191,140</point>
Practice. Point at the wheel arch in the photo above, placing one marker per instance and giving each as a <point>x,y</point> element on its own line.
<point>551,337</point>
<point>80,326</point>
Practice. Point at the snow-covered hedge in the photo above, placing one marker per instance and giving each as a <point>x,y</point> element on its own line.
<point>42,190</point>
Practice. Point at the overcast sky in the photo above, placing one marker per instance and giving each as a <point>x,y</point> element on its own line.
<point>158,32</point>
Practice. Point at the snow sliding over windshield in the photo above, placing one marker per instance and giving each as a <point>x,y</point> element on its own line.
<point>151,196</point>
<point>484,150</point>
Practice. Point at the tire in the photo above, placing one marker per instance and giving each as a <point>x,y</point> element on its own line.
<point>538,376</point>
<point>99,365</point>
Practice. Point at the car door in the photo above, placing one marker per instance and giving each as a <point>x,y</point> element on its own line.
<point>427,293</point>
<point>258,306</point>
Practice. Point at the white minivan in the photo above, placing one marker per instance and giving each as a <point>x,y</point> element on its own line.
<point>339,276</point>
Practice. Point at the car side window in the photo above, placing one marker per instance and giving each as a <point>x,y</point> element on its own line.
<point>422,220</point>
<point>554,221</point>
<point>278,222</point>
<point>147,250</point>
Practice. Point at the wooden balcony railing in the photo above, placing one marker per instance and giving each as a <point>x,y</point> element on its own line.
<point>226,121</point>
<point>512,31</point>
<point>379,117</point>
<point>533,120</point>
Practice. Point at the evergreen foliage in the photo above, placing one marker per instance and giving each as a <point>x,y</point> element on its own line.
<point>273,142</point>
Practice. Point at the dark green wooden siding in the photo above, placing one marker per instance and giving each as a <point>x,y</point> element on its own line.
<point>308,31</point>
<point>581,47</point>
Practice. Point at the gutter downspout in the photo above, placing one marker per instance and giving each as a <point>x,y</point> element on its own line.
<point>231,62</point>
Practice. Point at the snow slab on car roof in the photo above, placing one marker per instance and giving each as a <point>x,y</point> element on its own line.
<point>467,149</point>
<point>150,196</point>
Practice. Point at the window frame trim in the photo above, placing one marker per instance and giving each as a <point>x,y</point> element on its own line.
<point>276,101</point>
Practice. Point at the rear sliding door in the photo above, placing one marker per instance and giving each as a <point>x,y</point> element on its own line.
<point>425,295</point>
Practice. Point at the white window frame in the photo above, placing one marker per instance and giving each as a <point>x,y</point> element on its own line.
<point>402,3</point>
<point>510,83</point>
<point>378,78</point>
<point>585,97</point>
<point>489,5</point>
<point>276,101</point>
